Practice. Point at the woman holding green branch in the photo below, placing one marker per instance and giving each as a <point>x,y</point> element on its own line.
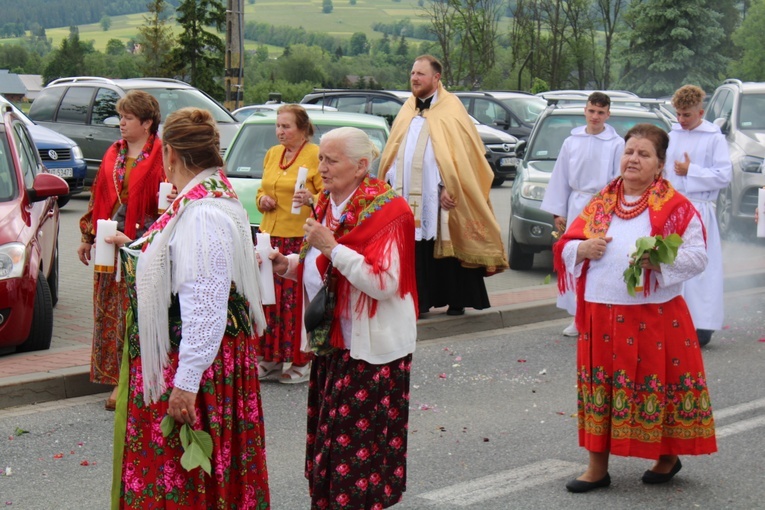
<point>190,357</point>
<point>641,384</point>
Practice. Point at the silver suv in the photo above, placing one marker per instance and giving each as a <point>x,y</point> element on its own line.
<point>83,108</point>
<point>739,109</point>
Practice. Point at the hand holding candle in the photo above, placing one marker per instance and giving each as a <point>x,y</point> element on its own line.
<point>299,184</point>
<point>165,188</point>
<point>264,249</point>
<point>105,251</point>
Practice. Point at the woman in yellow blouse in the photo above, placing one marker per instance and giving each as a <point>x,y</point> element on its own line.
<point>279,355</point>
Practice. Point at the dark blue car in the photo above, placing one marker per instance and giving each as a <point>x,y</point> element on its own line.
<point>60,155</point>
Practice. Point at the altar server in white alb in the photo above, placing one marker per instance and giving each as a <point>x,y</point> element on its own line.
<point>698,166</point>
<point>588,160</point>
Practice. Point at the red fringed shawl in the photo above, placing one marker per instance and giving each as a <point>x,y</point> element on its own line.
<point>143,185</point>
<point>669,212</point>
<point>374,220</point>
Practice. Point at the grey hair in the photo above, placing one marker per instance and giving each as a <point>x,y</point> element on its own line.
<point>356,143</point>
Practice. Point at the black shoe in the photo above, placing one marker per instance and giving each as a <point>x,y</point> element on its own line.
<point>705,336</point>
<point>582,486</point>
<point>652,477</point>
<point>455,311</point>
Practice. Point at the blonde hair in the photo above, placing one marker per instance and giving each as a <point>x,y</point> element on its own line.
<point>688,96</point>
<point>193,135</point>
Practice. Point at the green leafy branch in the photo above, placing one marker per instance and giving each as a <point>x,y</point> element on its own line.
<point>197,445</point>
<point>660,251</point>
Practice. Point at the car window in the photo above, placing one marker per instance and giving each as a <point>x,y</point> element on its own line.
<point>752,112</point>
<point>353,104</point>
<point>487,112</point>
<point>526,108</point>
<point>7,173</point>
<point>172,99</point>
<point>715,108</point>
<point>74,106</point>
<point>46,104</point>
<point>104,106</point>
<point>386,108</point>
<point>26,153</point>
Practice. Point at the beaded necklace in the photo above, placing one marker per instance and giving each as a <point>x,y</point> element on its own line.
<point>628,210</point>
<point>285,166</point>
<point>118,175</point>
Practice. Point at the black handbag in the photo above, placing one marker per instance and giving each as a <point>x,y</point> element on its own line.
<point>319,313</point>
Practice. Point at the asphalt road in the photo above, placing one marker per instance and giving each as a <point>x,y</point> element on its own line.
<point>491,427</point>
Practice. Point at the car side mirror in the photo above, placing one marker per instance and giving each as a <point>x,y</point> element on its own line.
<point>520,149</point>
<point>722,123</point>
<point>112,121</point>
<point>501,123</point>
<point>46,186</point>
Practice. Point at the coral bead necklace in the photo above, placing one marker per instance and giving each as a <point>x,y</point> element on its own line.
<point>628,210</point>
<point>285,166</point>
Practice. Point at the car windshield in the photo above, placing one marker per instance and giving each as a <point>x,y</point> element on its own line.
<point>554,129</point>
<point>7,174</point>
<point>245,156</point>
<point>752,112</point>
<point>527,108</point>
<point>174,99</point>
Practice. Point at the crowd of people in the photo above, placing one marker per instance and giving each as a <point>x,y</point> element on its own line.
<point>182,335</point>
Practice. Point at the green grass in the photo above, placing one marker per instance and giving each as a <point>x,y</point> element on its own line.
<point>345,19</point>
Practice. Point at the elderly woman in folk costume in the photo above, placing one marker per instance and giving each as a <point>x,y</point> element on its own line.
<point>641,384</point>
<point>358,394</point>
<point>191,353</point>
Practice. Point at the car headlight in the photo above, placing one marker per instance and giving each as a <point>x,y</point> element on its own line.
<point>76,152</point>
<point>12,260</point>
<point>751,164</point>
<point>533,190</point>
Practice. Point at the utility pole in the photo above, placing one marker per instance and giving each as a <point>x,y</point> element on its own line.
<point>234,54</point>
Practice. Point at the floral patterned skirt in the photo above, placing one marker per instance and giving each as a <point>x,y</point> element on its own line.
<point>148,472</point>
<point>110,303</point>
<point>280,341</point>
<point>358,416</point>
<point>642,389</point>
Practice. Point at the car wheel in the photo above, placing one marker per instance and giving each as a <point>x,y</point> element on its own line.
<point>62,201</point>
<point>53,278</point>
<point>41,332</point>
<point>497,182</point>
<point>725,212</point>
<point>519,260</point>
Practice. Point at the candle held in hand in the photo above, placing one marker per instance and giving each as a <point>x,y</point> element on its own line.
<point>104,251</point>
<point>165,188</point>
<point>264,249</point>
<point>299,184</point>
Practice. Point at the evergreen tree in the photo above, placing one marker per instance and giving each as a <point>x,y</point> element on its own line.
<point>672,42</point>
<point>750,39</point>
<point>199,55</point>
<point>69,59</point>
<point>326,6</point>
<point>156,40</point>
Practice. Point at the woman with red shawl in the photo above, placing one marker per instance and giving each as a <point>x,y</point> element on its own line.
<point>125,190</point>
<point>358,395</point>
<point>641,384</point>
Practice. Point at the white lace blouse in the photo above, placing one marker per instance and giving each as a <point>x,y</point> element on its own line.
<point>605,282</point>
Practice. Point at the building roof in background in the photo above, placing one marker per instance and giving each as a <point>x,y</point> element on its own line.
<point>33,84</point>
<point>10,83</point>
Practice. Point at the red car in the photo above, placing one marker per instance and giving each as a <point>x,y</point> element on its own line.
<point>28,239</point>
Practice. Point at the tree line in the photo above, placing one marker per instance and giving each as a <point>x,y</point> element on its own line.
<point>64,13</point>
<point>647,46</point>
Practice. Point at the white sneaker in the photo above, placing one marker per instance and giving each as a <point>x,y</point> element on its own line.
<point>571,330</point>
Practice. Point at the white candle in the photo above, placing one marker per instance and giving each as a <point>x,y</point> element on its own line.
<point>299,184</point>
<point>761,212</point>
<point>444,225</point>
<point>104,262</point>
<point>263,247</point>
<point>165,188</point>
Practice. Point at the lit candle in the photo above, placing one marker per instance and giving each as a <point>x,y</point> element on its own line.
<point>104,251</point>
<point>761,212</point>
<point>165,188</point>
<point>263,247</point>
<point>299,184</point>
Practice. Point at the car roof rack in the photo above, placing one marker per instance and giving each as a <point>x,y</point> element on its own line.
<point>734,81</point>
<point>75,79</point>
<point>166,80</point>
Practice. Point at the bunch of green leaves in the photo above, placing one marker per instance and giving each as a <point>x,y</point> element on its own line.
<point>197,445</point>
<point>660,251</point>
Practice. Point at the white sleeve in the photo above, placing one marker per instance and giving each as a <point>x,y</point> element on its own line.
<point>691,257</point>
<point>354,267</point>
<point>558,189</point>
<point>717,175</point>
<point>204,305</point>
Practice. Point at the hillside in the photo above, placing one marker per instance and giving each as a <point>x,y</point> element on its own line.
<point>342,22</point>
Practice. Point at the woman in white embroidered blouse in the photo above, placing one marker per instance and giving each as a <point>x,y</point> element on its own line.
<point>640,376</point>
<point>358,406</point>
<point>191,352</point>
